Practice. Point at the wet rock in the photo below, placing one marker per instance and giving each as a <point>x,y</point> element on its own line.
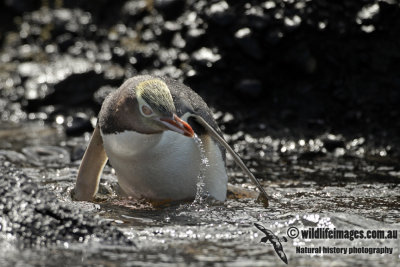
<point>194,38</point>
<point>274,36</point>
<point>292,22</point>
<point>250,87</point>
<point>170,9</point>
<point>331,142</point>
<point>248,43</point>
<point>13,156</point>
<point>42,79</point>
<point>228,117</point>
<point>77,153</point>
<point>75,89</point>
<point>205,56</point>
<point>78,124</point>
<point>178,41</point>
<point>135,9</point>
<point>168,31</point>
<point>66,88</point>
<point>220,13</point>
<point>22,6</point>
<point>286,46</point>
<point>34,216</point>
<point>47,155</point>
<point>300,59</point>
<point>256,17</point>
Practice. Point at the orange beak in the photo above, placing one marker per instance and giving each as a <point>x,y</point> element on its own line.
<point>176,124</point>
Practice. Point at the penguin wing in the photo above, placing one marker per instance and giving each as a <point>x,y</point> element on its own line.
<point>91,167</point>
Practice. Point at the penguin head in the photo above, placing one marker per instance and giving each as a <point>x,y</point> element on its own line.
<point>157,109</point>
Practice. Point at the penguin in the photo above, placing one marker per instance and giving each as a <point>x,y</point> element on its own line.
<point>146,130</point>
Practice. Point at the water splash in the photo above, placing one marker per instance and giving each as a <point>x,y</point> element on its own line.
<point>201,193</point>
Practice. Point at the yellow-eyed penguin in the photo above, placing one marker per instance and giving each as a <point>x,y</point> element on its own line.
<point>145,129</point>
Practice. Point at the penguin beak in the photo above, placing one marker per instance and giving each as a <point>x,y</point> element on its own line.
<point>176,124</point>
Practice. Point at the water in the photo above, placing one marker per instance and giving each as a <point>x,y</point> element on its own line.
<point>356,191</point>
<point>201,193</point>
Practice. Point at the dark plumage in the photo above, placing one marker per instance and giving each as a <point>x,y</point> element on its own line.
<point>187,100</point>
<point>275,241</point>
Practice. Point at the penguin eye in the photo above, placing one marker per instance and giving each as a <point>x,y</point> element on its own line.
<point>146,111</point>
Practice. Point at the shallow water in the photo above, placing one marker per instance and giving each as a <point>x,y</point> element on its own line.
<point>340,189</point>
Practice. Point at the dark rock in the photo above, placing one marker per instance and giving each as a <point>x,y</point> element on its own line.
<point>248,43</point>
<point>46,155</point>
<point>170,9</point>
<point>35,216</point>
<point>336,50</point>
<point>23,6</point>
<point>169,29</point>
<point>331,142</point>
<point>135,9</point>
<point>193,38</point>
<point>13,156</point>
<point>78,87</point>
<point>220,13</point>
<point>257,18</point>
<point>311,155</point>
<point>300,59</point>
<point>67,82</point>
<point>250,87</point>
<point>77,153</point>
<point>78,124</point>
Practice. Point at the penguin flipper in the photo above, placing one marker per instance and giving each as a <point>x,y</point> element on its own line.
<point>93,161</point>
<point>263,195</point>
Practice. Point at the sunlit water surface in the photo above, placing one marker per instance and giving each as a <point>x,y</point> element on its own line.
<point>202,232</point>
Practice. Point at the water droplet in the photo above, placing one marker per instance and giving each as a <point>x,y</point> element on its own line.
<point>201,194</point>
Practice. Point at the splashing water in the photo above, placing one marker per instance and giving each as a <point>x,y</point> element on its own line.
<point>201,193</point>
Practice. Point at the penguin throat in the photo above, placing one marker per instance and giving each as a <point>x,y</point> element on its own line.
<point>128,143</point>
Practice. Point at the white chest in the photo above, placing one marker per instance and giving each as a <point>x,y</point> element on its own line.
<point>163,166</point>
<point>156,166</point>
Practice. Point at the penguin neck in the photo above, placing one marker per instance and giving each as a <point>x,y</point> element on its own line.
<point>130,143</point>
